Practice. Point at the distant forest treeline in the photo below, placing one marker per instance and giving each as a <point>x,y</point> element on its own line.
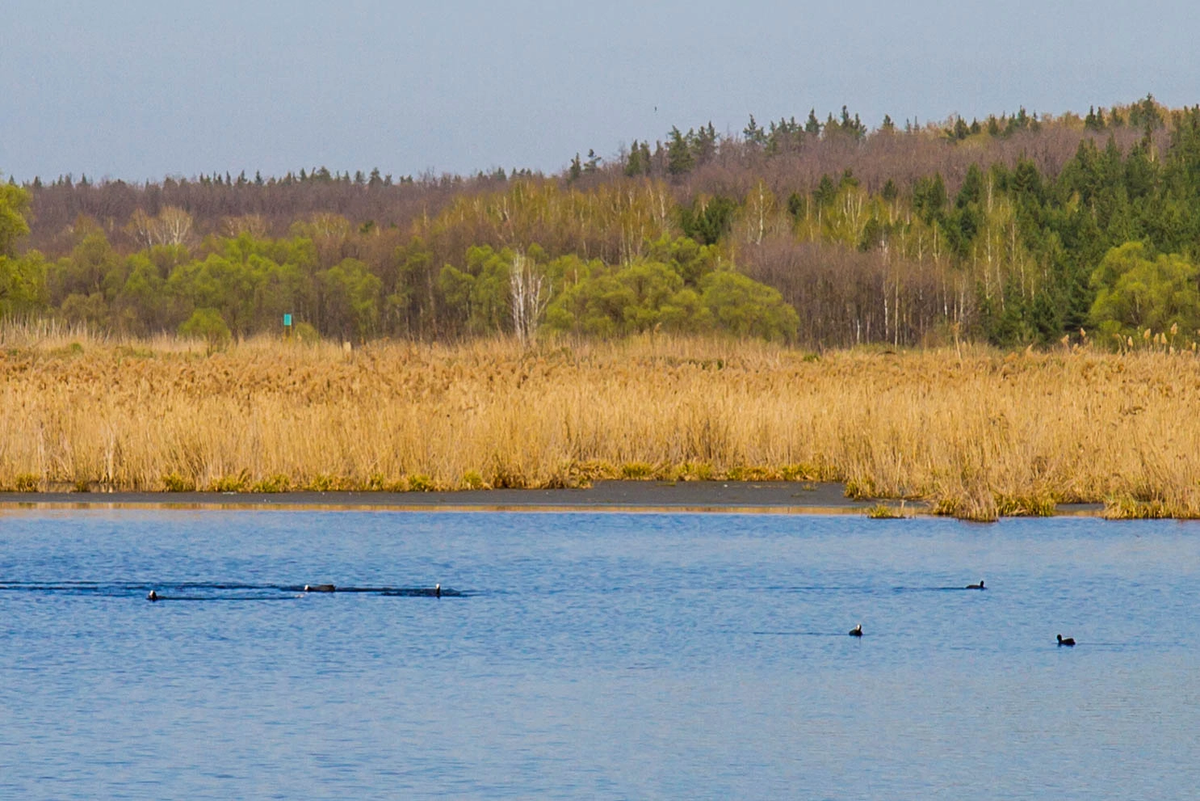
<point>1018,229</point>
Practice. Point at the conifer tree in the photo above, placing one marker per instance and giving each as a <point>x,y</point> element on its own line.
<point>704,144</point>
<point>812,126</point>
<point>633,162</point>
<point>679,153</point>
<point>754,134</point>
<point>825,191</point>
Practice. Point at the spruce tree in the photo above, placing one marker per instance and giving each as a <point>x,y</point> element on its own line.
<point>679,153</point>
<point>812,126</point>
<point>825,191</point>
<point>753,133</point>
<point>633,163</point>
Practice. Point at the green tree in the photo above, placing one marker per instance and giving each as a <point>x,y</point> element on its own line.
<point>1136,291</point>
<point>206,324</point>
<point>680,158</point>
<point>22,280</point>
<point>90,310</point>
<point>1145,114</point>
<point>594,306</point>
<point>743,306</point>
<point>479,296</point>
<point>228,285</point>
<point>704,144</point>
<point>812,126</point>
<point>707,220</point>
<point>964,222</point>
<point>14,203</point>
<point>797,206</point>
<point>890,192</point>
<point>350,299</point>
<point>929,198</point>
<point>685,256</point>
<point>754,133</point>
<point>633,162</point>
<point>652,286</point>
<point>825,191</point>
<point>140,305</point>
<point>644,296</point>
<point>22,285</point>
<point>411,304</point>
<point>92,267</point>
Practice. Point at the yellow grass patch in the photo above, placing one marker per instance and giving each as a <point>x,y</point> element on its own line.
<point>975,432</point>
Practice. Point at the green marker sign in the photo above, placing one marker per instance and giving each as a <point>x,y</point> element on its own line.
<point>287,320</point>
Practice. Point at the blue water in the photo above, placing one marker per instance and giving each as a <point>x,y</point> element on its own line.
<point>595,656</point>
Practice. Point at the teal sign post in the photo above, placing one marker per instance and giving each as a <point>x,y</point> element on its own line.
<point>287,320</point>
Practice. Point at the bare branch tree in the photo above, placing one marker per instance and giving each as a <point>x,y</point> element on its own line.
<point>173,226</point>
<point>529,300</point>
<point>142,226</point>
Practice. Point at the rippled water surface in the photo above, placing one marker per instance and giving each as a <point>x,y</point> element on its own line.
<point>594,655</point>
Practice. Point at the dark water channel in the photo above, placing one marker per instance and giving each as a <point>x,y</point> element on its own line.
<point>594,656</point>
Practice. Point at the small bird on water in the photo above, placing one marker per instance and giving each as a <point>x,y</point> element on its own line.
<point>856,631</point>
<point>1068,641</point>
<point>978,586</point>
<point>153,596</point>
<point>437,590</point>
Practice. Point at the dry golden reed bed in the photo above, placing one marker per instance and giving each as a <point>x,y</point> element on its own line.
<point>975,432</point>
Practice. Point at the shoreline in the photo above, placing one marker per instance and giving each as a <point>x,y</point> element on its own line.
<point>751,497</point>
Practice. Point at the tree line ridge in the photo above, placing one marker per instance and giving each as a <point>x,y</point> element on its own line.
<point>1016,229</point>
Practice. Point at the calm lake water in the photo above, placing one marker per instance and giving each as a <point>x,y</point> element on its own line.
<point>595,656</point>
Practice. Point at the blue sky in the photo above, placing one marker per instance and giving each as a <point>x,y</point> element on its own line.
<point>144,89</point>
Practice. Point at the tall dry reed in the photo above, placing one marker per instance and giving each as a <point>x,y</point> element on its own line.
<point>976,432</point>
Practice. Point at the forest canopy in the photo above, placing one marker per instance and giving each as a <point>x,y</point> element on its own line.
<point>1017,229</point>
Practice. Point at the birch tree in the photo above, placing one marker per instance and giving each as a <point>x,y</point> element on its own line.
<point>530,297</point>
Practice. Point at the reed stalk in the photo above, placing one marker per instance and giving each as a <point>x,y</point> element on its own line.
<point>975,432</point>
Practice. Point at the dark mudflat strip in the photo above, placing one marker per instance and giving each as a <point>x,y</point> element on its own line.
<point>683,496</point>
<point>692,495</point>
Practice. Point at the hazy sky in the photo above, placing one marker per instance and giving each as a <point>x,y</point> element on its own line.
<point>138,90</point>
